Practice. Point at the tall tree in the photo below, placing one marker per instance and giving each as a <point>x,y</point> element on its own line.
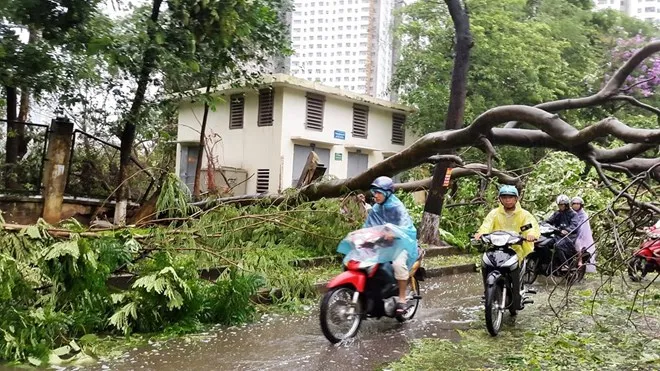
<point>453,120</point>
<point>54,31</point>
<point>192,40</point>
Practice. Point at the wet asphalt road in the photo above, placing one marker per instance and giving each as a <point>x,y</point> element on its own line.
<point>296,342</point>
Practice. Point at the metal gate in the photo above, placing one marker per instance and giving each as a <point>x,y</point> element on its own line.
<point>358,163</point>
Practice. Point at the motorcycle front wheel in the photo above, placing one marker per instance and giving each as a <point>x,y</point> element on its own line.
<point>494,312</point>
<point>340,317</point>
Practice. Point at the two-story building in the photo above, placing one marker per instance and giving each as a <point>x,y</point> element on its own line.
<point>265,135</point>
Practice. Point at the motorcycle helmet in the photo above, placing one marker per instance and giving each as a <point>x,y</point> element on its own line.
<point>384,184</point>
<point>577,200</point>
<point>508,190</point>
<point>563,199</point>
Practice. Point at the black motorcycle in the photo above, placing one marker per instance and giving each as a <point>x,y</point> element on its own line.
<point>545,260</point>
<point>499,261</point>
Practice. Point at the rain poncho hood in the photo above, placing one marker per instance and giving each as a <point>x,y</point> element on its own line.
<point>499,219</point>
<point>392,213</point>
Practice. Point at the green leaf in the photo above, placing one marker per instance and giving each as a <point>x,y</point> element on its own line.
<point>32,231</point>
<point>34,361</point>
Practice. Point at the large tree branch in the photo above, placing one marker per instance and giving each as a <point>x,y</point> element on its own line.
<point>461,172</point>
<point>633,101</point>
<point>560,130</point>
<point>621,193</point>
<point>611,88</point>
<point>553,133</point>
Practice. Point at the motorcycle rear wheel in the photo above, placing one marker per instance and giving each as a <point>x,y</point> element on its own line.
<point>412,302</point>
<point>636,266</point>
<point>494,313</point>
<point>328,314</point>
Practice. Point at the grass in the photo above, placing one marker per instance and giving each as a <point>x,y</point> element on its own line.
<point>577,339</point>
<point>448,260</point>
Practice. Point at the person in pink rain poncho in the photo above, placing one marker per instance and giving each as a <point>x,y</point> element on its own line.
<point>585,239</point>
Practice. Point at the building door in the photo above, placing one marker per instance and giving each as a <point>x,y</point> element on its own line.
<point>358,163</point>
<point>187,165</point>
<point>300,154</point>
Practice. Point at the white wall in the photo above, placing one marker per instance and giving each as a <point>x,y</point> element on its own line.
<point>249,148</point>
<point>338,115</point>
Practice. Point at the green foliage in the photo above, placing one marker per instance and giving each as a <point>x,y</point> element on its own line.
<point>174,198</point>
<point>54,290</point>
<point>524,53</point>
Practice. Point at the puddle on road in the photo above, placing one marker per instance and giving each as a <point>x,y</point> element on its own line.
<point>291,343</point>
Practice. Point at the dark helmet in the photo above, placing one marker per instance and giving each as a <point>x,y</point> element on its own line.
<point>383,183</point>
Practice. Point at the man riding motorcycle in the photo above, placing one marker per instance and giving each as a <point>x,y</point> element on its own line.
<point>389,209</point>
<point>566,220</point>
<point>510,216</point>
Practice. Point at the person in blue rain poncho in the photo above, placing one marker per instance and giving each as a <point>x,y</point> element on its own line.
<point>388,209</point>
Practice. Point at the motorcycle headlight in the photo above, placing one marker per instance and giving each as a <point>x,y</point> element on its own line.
<point>499,240</point>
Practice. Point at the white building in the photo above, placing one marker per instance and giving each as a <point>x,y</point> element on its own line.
<point>267,134</point>
<point>347,44</point>
<point>643,9</point>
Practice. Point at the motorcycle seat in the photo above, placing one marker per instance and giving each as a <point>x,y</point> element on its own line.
<point>546,243</point>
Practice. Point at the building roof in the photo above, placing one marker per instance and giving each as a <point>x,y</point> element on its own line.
<point>284,80</point>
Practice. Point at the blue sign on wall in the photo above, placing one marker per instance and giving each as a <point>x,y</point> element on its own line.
<point>340,134</point>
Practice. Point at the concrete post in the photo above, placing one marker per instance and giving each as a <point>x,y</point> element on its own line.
<point>56,167</point>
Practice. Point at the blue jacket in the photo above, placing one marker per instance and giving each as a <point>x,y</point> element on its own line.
<point>393,211</point>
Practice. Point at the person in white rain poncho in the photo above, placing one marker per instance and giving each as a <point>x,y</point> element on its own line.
<point>585,239</point>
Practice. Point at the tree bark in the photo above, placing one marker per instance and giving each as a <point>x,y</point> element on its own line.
<point>128,134</point>
<point>433,209</point>
<point>202,142</point>
<point>11,147</point>
<point>23,113</point>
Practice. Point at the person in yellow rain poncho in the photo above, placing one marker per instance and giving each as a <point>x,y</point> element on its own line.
<point>511,217</point>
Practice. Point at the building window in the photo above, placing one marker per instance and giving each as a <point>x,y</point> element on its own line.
<point>263,180</point>
<point>398,134</point>
<point>236,111</point>
<point>314,112</point>
<point>360,120</point>
<point>266,102</point>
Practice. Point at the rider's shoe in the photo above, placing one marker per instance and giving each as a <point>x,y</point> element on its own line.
<point>400,308</point>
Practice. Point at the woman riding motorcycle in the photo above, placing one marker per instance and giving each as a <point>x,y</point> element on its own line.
<point>389,209</point>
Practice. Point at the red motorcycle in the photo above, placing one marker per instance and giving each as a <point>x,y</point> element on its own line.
<point>647,258</point>
<point>366,288</point>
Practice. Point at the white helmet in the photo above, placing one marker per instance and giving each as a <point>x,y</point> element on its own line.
<point>577,200</point>
<point>563,199</point>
